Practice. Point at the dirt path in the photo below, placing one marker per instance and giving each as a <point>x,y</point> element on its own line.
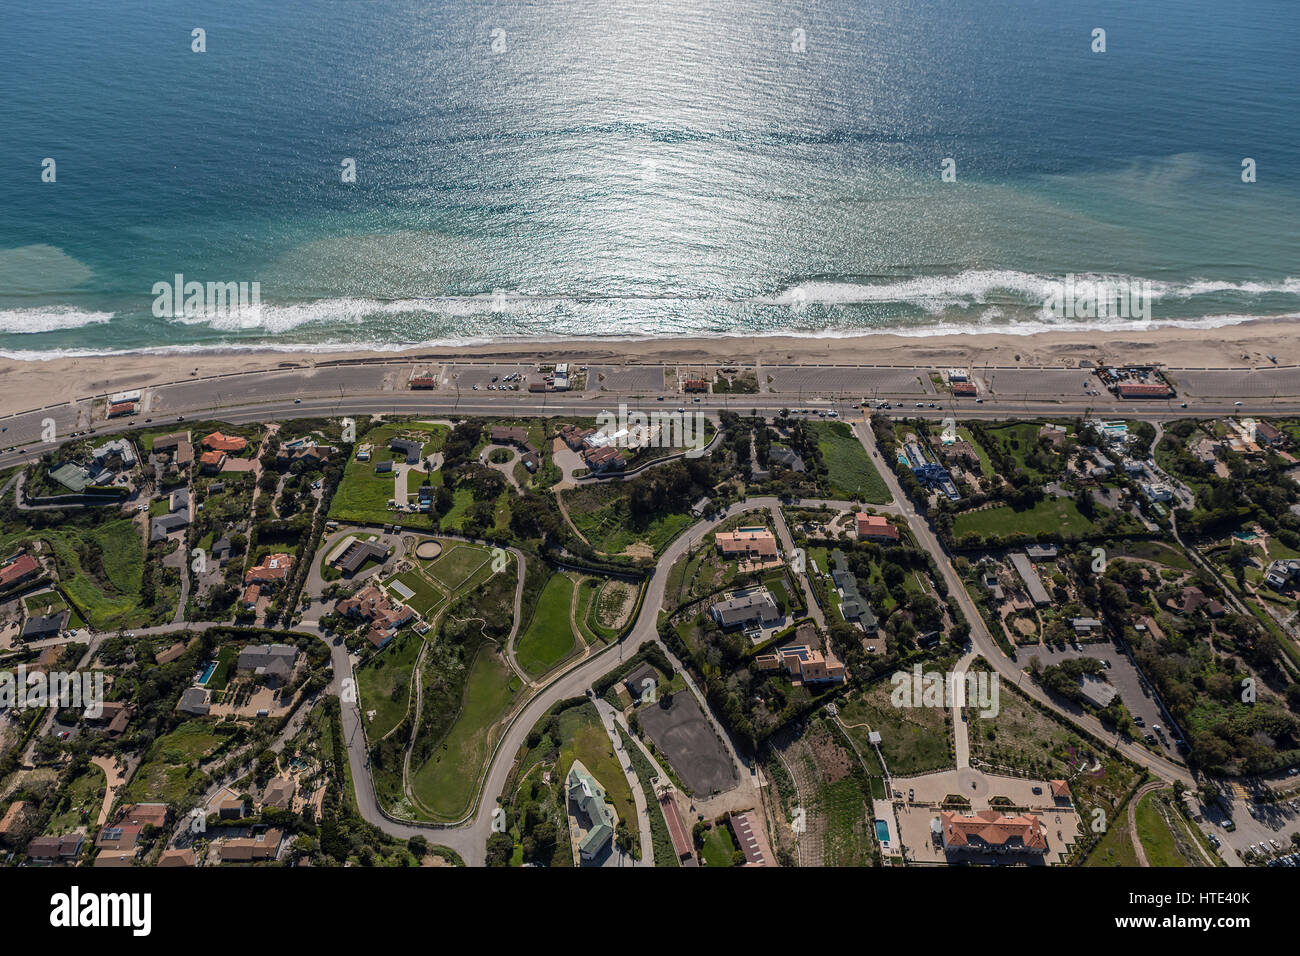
<point>1132,821</point>
<point>116,779</point>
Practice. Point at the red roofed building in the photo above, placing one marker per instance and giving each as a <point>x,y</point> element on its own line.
<point>424,381</point>
<point>990,832</point>
<point>251,595</point>
<point>876,527</point>
<point>212,460</point>
<point>219,441</point>
<point>18,569</point>
<point>121,408</point>
<point>695,385</point>
<point>1144,390</point>
<point>964,388</point>
<point>1060,790</point>
<point>274,569</point>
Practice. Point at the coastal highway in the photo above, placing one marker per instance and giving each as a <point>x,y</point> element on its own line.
<point>380,390</point>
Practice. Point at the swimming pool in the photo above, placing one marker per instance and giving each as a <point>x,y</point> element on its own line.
<point>882,831</point>
<point>207,673</point>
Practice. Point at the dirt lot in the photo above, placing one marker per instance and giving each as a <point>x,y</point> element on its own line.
<point>685,737</point>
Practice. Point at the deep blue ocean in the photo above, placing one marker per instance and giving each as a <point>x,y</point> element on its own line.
<point>647,168</point>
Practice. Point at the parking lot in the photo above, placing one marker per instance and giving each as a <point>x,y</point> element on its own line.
<point>469,376</point>
<point>627,379</point>
<point>681,732</point>
<point>1255,824</point>
<point>1233,384</point>
<point>855,383</point>
<point>1133,691</point>
<point>1039,382</point>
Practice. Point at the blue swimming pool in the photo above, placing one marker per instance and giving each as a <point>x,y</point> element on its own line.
<point>882,831</point>
<point>207,672</point>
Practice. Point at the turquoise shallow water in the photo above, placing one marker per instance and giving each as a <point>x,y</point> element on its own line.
<point>637,168</point>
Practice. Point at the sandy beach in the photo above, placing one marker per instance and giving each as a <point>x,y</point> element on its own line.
<point>30,383</point>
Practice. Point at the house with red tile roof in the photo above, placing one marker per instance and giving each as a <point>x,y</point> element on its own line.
<point>219,441</point>
<point>991,832</point>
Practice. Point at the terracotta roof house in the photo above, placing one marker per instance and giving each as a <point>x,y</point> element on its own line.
<point>990,832</point>
<point>145,814</point>
<point>273,569</point>
<point>749,543</point>
<point>876,528</point>
<point>219,441</point>
<point>18,568</point>
<point>212,460</point>
<point>1060,790</point>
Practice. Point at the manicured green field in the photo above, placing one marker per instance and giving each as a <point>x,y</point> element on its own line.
<point>719,846</point>
<point>363,494</point>
<point>1051,516</point>
<point>456,563</point>
<point>384,684</point>
<point>426,596</point>
<point>446,783</point>
<point>549,638</point>
<point>849,471</point>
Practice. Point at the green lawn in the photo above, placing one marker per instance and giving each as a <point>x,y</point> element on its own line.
<point>456,563</point>
<point>1052,516</point>
<point>426,596</point>
<point>363,494</point>
<point>384,683</point>
<point>1157,839</point>
<point>549,638</point>
<point>172,768</point>
<point>719,846</point>
<point>80,803</point>
<point>100,569</point>
<point>849,471</point>
<point>446,783</point>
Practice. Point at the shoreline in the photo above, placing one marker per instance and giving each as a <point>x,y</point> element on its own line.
<point>1252,343</point>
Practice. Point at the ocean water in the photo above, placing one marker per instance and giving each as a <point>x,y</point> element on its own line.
<point>637,168</point>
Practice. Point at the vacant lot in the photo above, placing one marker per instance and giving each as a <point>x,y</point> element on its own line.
<point>1058,516</point>
<point>913,740</point>
<point>680,731</point>
<point>549,638</point>
<point>600,513</point>
<point>849,471</point>
<point>384,683</point>
<point>172,768</point>
<point>457,563</point>
<point>446,783</point>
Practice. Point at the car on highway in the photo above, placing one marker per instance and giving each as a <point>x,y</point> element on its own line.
<point>297,401</point>
<point>1237,403</point>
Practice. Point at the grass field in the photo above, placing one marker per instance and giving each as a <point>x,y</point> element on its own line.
<point>425,597</point>
<point>80,802</point>
<point>171,769</point>
<point>363,494</point>
<point>446,783</point>
<point>384,683</point>
<point>100,569</point>
<point>1163,846</point>
<point>1051,516</point>
<point>913,739</point>
<point>457,563</point>
<point>600,512</point>
<point>1115,848</point>
<point>719,846</point>
<point>549,638</point>
<point>849,471</point>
